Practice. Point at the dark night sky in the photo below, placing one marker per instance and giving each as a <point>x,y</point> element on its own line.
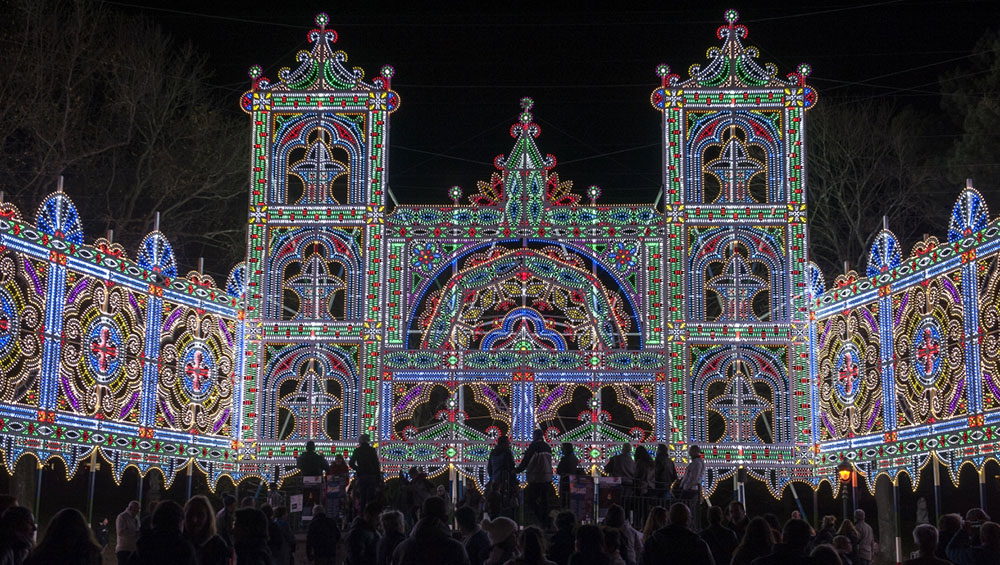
<point>461,71</point>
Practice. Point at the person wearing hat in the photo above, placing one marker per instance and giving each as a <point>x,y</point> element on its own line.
<point>367,469</point>
<point>503,540</point>
<point>431,541</point>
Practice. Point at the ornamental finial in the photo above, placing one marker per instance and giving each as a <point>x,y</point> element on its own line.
<point>322,19</point>
<point>732,16</point>
<point>526,105</point>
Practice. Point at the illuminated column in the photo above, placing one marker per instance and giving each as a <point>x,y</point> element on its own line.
<point>151,364</point>
<point>55,293</point>
<point>973,364</point>
<point>969,216</point>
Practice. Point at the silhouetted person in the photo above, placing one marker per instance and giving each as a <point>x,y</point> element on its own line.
<point>367,469</point>
<point>68,541</point>
<point>623,467</point>
<point>794,546</point>
<point>644,483</point>
<point>531,547</point>
<point>948,526</point>
<point>664,473</point>
<point>164,544</point>
<point>824,554</point>
<point>502,489</point>
<point>275,541</point>
<point>362,538</point>
<point>322,538</point>
<point>568,467</point>
<point>926,538</point>
<point>756,542</point>
<point>311,464</point>
<point>199,529</point>
<point>589,547</point>
<point>502,532</point>
<point>285,531</point>
<point>250,538</point>
<point>720,539</point>
<point>962,549</point>
<point>630,540</point>
<point>431,542</point>
<point>537,462</point>
<point>475,540</point>
<point>127,529</point>
<point>224,519</point>
<point>827,531</point>
<point>676,544</point>
<point>736,518</point>
<point>392,536</point>
<point>17,535</point>
<point>563,541</point>
<point>866,539</point>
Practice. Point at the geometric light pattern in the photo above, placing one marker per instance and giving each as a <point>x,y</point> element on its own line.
<point>437,328</point>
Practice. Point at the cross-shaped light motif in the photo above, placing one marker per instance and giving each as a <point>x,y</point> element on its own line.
<point>105,349</point>
<point>739,407</point>
<point>197,370</point>
<point>316,288</point>
<point>737,285</point>
<point>309,405</point>
<point>928,351</point>
<point>318,169</point>
<point>734,169</point>
<point>848,373</point>
<point>4,323</point>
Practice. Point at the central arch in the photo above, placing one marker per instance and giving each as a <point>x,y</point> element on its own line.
<point>557,287</point>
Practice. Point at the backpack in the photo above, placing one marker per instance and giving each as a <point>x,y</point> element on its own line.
<point>539,469</point>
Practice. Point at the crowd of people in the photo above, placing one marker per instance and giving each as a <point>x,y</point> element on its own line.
<point>433,529</point>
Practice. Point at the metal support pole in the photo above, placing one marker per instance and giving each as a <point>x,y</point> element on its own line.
<point>854,490</point>
<point>896,520</point>
<point>982,487</point>
<point>843,497</point>
<point>452,485</point>
<point>142,481</point>
<point>816,509</point>
<point>798,503</point>
<point>937,488</point>
<point>190,477</point>
<point>38,489</point>
<point>90,495</point>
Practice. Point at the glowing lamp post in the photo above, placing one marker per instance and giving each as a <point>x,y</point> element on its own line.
<point>844,473</point>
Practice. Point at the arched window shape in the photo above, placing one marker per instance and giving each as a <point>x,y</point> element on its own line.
<point>318,293</point>
<point>540,297</point>
<point>314,275</point>
<point>734,157</point>
<point>739,395</point>
<point>317,173</point>
<point>739,273</point>
<point>310,410</point>
<point>318,159</point>
<point>309,392</point>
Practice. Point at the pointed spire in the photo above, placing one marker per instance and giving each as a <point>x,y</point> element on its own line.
<point>525,154</point>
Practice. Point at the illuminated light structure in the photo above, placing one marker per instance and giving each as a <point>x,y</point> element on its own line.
<point>103,352</point>
<point>735,295</point>
<point>921,336</point>
<point>436,328</point>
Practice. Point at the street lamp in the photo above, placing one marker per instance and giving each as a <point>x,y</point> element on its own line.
<point>844,473</point>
